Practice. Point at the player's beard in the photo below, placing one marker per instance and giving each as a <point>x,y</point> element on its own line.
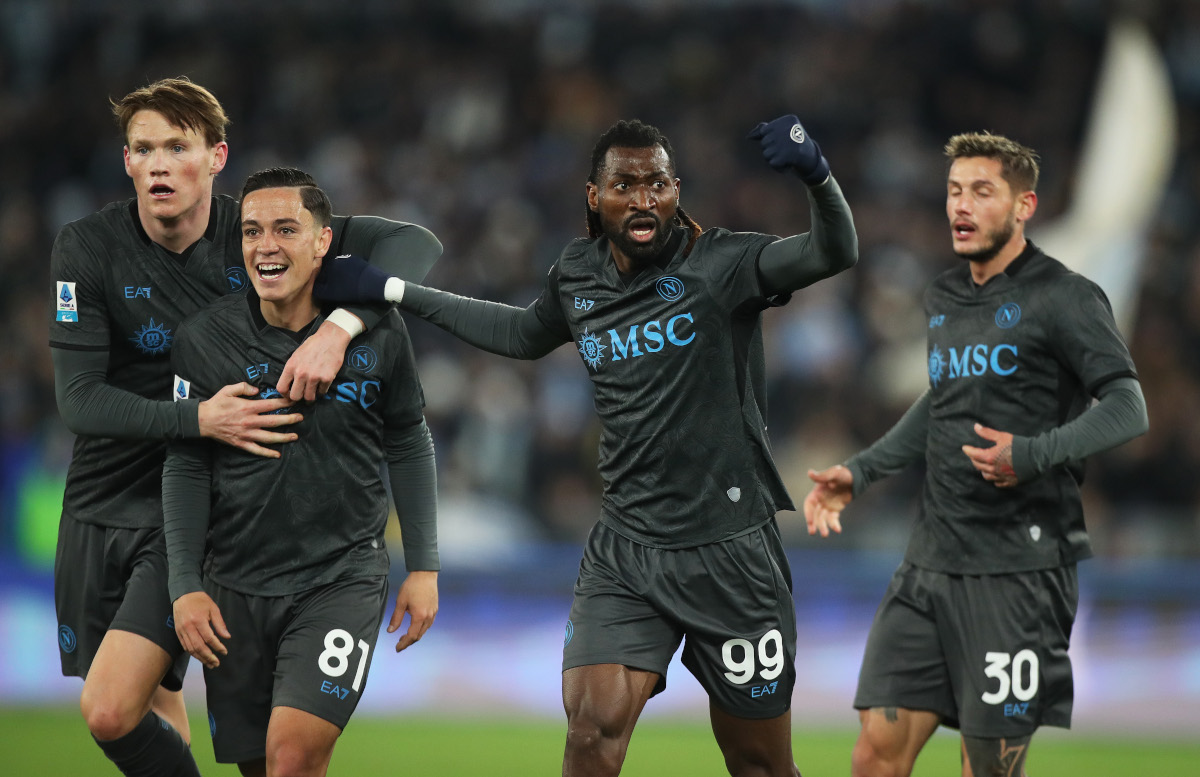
<point>635,251</point>
<point>996,240</point>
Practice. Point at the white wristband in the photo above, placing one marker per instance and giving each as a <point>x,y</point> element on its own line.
<point>348,321</point>
<point>393,290</point>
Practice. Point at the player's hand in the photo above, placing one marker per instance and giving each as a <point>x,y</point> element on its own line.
<point>833,490</point>
<point>246,423</point>
<point>349,278</point>
<point>994,463</point>
<point>198,623</point>
<point>312,367</point>
<point>786,145</point>
<point>419,598</point>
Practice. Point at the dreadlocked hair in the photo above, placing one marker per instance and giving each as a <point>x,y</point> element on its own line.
<point>633,133</point>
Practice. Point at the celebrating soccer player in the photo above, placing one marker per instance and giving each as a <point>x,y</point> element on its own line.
<point>286,612</point>
<point>667,322</point>
<point>125,278</point>
<point>974,628</point>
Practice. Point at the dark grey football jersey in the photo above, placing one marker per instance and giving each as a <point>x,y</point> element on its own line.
<point>676,361</point>
<point>317,514</point>
<point>117,290</point>
<point>1024,353</point>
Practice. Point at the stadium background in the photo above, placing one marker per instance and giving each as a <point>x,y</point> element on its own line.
<point>476,119</point>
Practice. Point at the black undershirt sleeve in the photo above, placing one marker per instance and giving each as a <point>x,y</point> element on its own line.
<point>494,327</point>
<point>830,246</point>
<point>902,445</point>
<point>186,482</point>
<point>90,406</point>
<point>1118,416</point>
<point>413,477</point>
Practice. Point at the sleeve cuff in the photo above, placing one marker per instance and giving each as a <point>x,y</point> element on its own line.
<point>347,321</point>
<point>1022,459</point>
<point>393,290</point>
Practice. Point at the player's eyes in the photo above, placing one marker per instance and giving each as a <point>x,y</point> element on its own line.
<point>250,232</point>
<point>178,149</point>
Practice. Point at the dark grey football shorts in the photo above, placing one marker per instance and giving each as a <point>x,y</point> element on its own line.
<point>110,578</point>
<point>310,651</point>
<point>731,601</point>
<point>987,653</point>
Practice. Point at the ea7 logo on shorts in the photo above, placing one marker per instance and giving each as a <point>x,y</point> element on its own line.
<point>183,389</point>
<point>67,308</point>
<point>334,690</point>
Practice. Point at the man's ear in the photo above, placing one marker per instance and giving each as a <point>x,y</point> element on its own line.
<point>1026,205</point>
<point>593,197</point>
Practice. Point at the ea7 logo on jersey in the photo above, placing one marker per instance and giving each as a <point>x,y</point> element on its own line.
<point>68,309</point>
<point>183,389</point>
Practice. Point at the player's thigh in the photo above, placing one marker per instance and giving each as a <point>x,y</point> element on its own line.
<point>733,600</point>
<point>612,620</point>
<point>904,663</point>
<point>238,691</point>
<point>1011,662</point>
<point>748,744</point>
<point>299,742</point>
<point>324,653</point>
<point>125,674</point>
<point>110,578</point>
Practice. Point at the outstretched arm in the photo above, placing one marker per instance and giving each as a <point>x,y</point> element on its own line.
<point>501,329</point>
<point>403,250</point>
<point>90,406</point>
<point>413,479</point>
<point>831,245</point>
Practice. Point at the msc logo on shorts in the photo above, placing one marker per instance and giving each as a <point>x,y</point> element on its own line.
<point>66,639</point>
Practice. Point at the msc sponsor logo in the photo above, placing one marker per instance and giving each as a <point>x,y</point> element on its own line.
<point>363,394</point>
<point>972,360</point>
<point>152,339</point>
<point>66,639</point>
<point>237,278</point>
<point>67,308</point>
<point>591,348</point>
<point>362,359</point>
<point>669,288</point>
<point>1008,315</point>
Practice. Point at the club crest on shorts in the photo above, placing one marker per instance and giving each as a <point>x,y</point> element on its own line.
<point>1035,532</point>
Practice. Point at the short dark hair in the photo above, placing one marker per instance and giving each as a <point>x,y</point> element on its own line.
<point>181,102</point>
<point>629,133</point>
<point>1018,163</point>
<point>312,196</point>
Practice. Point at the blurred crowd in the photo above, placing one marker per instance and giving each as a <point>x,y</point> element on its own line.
<point>477,120</point>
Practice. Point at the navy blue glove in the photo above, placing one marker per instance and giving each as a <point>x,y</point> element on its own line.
<point>786,145</point>
<point>348,278</point>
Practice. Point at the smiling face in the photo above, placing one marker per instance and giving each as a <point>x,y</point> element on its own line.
<point>987,218</point>
<point>636,198</point>
<point>282,246</point>
<point>172,171</point>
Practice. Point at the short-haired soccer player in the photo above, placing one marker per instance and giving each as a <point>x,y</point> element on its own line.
<point>125,278</point>
<point>279,585</point>
<point>973,631</point>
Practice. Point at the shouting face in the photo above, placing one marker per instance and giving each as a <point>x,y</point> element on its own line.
<point>636,199</point>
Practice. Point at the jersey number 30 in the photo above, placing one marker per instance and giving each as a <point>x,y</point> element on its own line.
<point>1025,661</point>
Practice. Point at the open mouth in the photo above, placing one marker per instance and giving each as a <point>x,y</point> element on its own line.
<point>270,272</point>
<point>642,229</point>
<point>963,229</point>
<point>160,190</point>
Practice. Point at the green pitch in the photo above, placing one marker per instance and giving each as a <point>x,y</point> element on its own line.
<point>37,742</point>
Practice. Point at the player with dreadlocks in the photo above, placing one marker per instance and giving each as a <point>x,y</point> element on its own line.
<point>667,320</point>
